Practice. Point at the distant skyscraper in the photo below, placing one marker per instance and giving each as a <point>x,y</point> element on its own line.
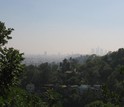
<point>45,53</point>
<point>98,51</point>
<point>92,51</point>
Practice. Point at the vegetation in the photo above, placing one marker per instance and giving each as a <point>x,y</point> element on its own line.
<point>99,82</point>
<point>11,95</point>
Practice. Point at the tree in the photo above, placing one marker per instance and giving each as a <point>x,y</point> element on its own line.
<point>10,61</point>
<point>100,104</point>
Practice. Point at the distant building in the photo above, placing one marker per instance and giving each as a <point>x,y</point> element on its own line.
<point>45,53</point>
<point>30,87</point>
<point>83,88</point>
<point>98,51</point>
<point>69,72</point>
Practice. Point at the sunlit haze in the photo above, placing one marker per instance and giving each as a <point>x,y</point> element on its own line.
<point>64,26</point>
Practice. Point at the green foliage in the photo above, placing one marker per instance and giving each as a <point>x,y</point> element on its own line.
<point>18,97</point>
<point>109,95</point>
<point>4,34</point>
<point>106,72</point>
<point>11,67</point>
<point>100,104</point>
<point>10,61</point>
<point>53,98</point>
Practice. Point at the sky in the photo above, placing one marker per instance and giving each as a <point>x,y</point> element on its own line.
<point>64,26</point>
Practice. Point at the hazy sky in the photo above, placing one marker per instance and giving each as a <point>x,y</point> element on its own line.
<point>64,26</point>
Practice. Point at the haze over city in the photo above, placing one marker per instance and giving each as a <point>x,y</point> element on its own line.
<point>64,26</point>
